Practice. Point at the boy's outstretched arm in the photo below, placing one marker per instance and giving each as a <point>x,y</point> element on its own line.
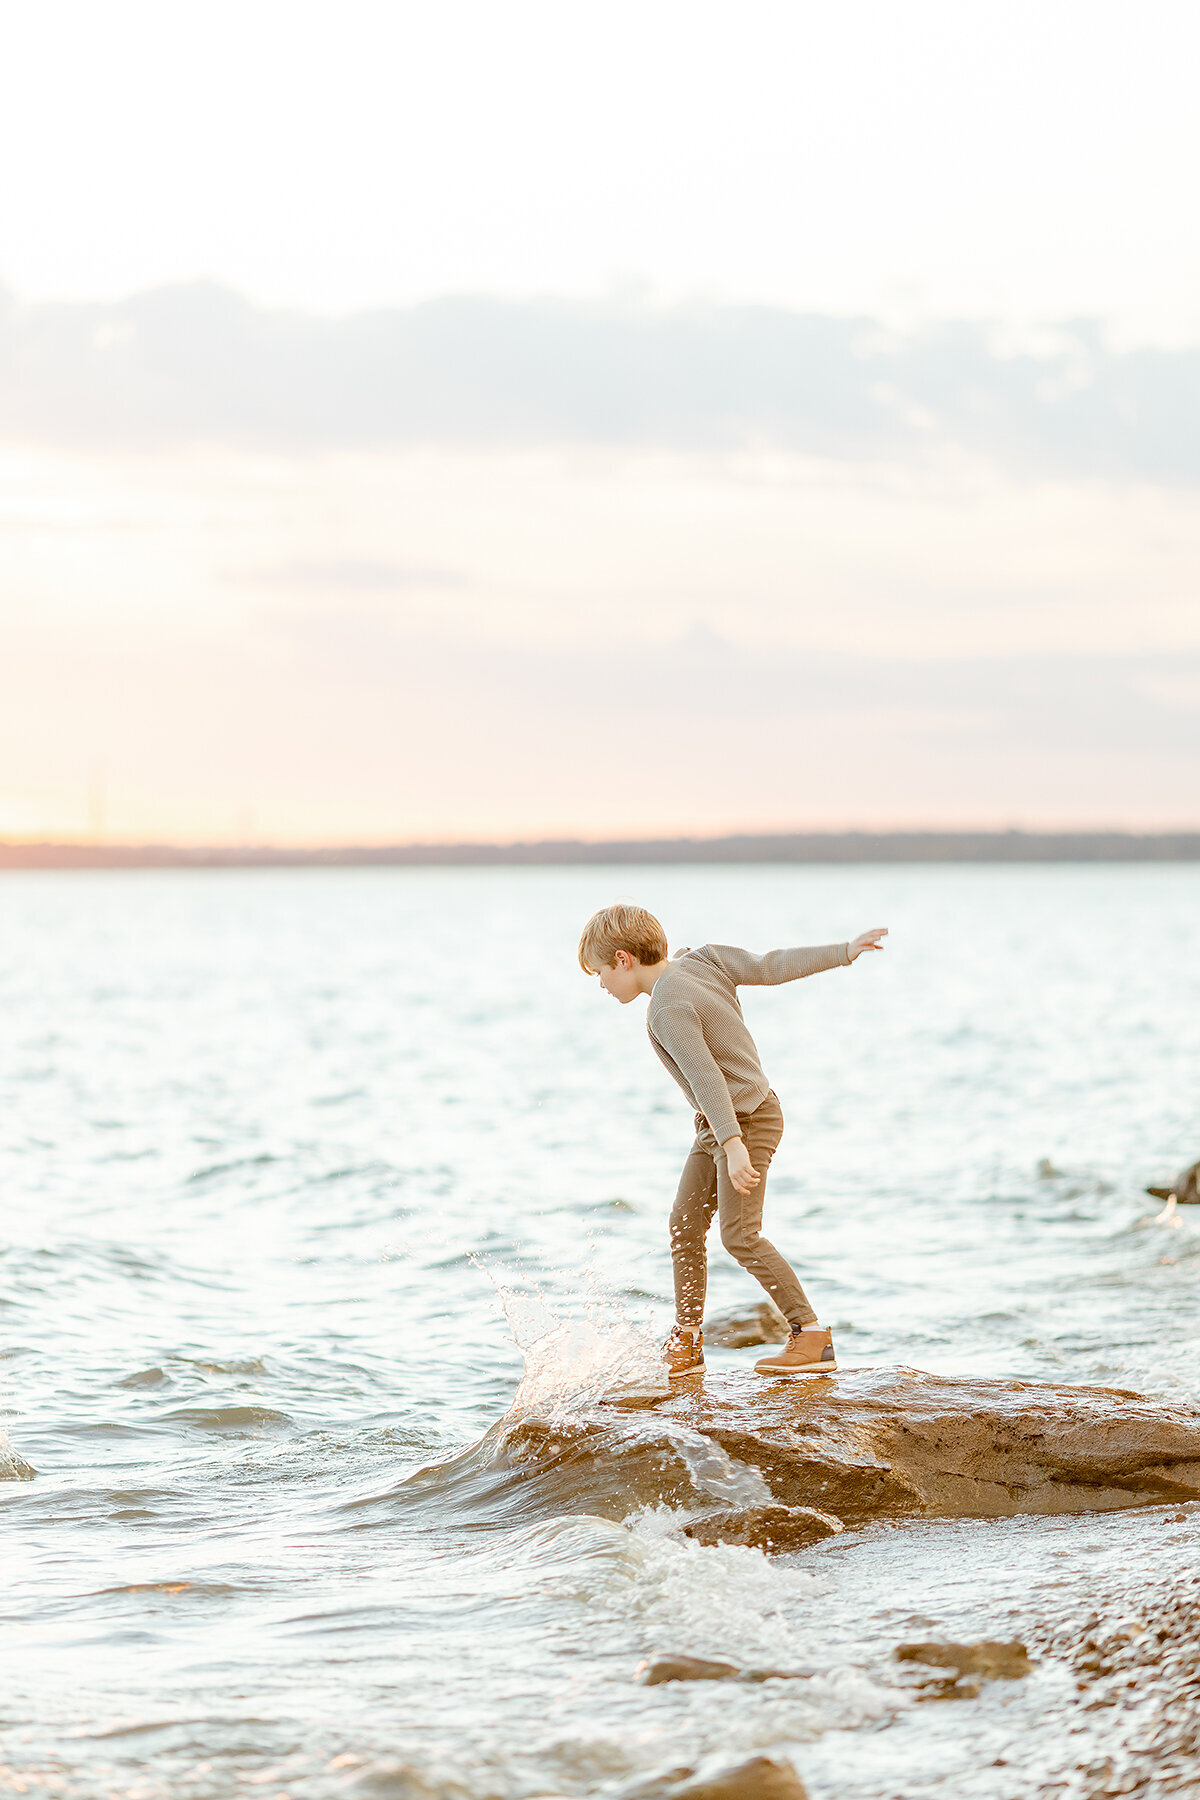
<point>747,970</point>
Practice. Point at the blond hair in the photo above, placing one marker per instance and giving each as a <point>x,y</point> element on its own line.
<point>621,927</point>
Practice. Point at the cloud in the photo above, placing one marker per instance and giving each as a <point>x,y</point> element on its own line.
<point>349,727</point>
<point>1066,704</point>
<point>345,575</point>
<point>198,364</point>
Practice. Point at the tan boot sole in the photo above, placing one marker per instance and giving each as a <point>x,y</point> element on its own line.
<point>825,1368</point>
<point>696,1368</point>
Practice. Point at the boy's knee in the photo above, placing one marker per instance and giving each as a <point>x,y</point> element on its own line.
<point>739,1240</point>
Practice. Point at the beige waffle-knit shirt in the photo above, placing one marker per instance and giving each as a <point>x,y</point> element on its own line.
<point>698,1032</point>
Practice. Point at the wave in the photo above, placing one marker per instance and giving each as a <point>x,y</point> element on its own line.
<point>568,1444</point>
<point>227,1418</point>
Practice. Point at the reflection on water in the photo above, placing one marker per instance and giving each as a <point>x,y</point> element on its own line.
<point>335,1197</point>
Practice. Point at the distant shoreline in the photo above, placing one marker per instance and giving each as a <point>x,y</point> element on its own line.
<point>781,847</point>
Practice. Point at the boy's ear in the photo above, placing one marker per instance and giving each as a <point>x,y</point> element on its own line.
<point>624,960</point>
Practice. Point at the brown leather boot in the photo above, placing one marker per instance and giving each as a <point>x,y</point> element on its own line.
<point>807,1352</point>
<point>683,1352</point>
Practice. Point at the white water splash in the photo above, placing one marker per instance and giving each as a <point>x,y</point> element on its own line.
<point>572,1364</point>
<point>577,1363</point>
<point>714,1472</point>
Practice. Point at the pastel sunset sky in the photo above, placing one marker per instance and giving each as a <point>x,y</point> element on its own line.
<point>441,421</point>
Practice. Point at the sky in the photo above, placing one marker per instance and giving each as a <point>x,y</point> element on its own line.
<point>472,422</point>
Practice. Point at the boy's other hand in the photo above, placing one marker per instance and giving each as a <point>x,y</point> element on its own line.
<point>742,1171</point>
<point>866,940</point>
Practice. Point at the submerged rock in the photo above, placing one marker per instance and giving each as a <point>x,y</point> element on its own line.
<point>765,1527</point>
<point>995,1662</point>
<point>1185,1187</point>
<point>654,1670</point>
<point>759,1778</point>
<point>12,1466</point>
<point>684,1668</point>
<point>740,1326</point>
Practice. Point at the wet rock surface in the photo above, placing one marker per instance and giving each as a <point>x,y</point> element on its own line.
<point>758,1778</point>
<point>893,1442</point>
<point>741,1326</point>
<point>765,1527</point>
<point>881,1443</point>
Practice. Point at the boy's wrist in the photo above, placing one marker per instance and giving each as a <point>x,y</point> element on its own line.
<point>735,1139</point>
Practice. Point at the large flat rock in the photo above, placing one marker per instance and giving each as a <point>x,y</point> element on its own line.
<point>877,1442</point>
<point>860,1445</point>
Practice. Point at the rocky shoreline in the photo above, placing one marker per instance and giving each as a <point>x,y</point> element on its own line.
<point>1138,1660</point>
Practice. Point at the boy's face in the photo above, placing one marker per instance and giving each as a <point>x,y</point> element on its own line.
<point>620,979</point>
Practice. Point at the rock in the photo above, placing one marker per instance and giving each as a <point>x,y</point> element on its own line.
<point>860,1445</point>
<point>765,1527</point>
<point>761,1778</point>
<point>1185,1187</point>
<point>951,1688</point>
<point>889,1442</point>
<point>12,1466</point>
<point>995,1662</point>
<point>653,1670</point>
<point>684,1668</point>
<point>739,1326</point>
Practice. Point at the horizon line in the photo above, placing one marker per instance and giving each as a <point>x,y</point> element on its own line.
<point>854,844</point>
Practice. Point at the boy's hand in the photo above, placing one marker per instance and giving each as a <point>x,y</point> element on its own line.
<point>866,940</point>
<point>742,1171</point>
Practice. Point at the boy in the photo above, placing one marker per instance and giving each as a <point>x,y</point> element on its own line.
<point>697,1029</point>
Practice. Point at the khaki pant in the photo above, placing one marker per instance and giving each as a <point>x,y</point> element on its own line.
<point>705,1189</point>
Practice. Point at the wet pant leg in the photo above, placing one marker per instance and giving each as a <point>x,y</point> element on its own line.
<point>691,1216</point>
<point>741,1215</point>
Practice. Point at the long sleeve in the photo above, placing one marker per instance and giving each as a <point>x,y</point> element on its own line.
<point>745,969</point>
<point>678,1037</point>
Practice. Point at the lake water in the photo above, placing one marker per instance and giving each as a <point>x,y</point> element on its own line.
<point>294,1164</point>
